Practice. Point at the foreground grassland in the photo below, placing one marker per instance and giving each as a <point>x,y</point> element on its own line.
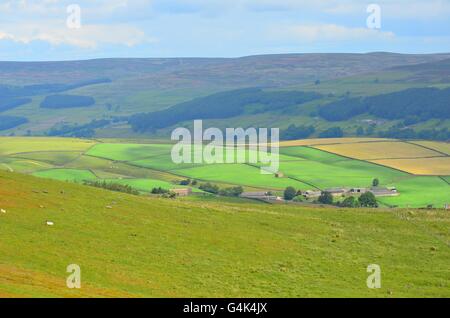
<point>129,246</point>
<point>418,169</point>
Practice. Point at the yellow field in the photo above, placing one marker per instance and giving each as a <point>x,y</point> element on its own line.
<point>422,166</point>
<point>328,141</point>
<point>438,146</point>
<point>12,145</point>
<point>379,150</point>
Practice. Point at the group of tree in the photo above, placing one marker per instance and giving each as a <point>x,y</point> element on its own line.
<point>11,103</point>
<point>215,189</point>
<point>333,132</point>
<point>290,193</point>
<point>409,133</point>
<point>67,101</point>
<point>421,103</point>
<point>366,200</point>
<point>112,186</point>
<point>187,182</point>
<point>79,131</point>
<point>294,132</point>
<point>222,105</point>
<point>9,122</point>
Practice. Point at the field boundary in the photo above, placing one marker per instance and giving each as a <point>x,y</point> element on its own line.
<point>428,148</point>
<point>374,163</point>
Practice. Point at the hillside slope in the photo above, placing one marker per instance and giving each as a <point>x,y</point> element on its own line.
<point>124,87</point>
<point>139,246</point>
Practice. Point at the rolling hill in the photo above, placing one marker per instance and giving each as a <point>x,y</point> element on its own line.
<point>137,246</point>
<point>121,88</point>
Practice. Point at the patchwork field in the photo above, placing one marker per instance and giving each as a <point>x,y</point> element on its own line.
<point>418,158</point>
<point>422,166</point>
<point>437,146</point>
<point>152,247</point>
<point>328,141</point>
<point>316,164</point>
<point>379,150</point>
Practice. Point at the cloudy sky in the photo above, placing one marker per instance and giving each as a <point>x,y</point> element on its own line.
<point>48,29</point>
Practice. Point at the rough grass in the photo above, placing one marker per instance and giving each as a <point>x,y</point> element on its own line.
<point>145,247</point>
<point>146,185</point>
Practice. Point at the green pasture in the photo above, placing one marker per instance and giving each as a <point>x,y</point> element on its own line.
<point>15,145</point>
<point>56,158</point>
<point>128,152</point>
<point>419,192</point>
<point>240,174</point>
<point>75,175</point>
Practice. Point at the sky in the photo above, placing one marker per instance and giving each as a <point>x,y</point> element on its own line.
<point>35,30</point>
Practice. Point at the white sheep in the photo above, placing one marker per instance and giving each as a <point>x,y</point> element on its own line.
<point>49,223</point>
<point>2,211</point>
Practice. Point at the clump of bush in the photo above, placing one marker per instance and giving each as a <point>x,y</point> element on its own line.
<point>231,192</point>
<point>326,198</point>
<point>290,193</point>
<point>210,188</point>
<point>112,186</point>
<point>159,190</point>
<point>227,192</point>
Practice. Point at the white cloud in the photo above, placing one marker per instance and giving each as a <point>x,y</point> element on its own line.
<point>88,36</point>
<point>308,33</point>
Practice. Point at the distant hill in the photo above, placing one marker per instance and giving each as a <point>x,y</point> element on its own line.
<point>123,88</point>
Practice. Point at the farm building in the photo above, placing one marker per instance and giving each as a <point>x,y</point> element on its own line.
<point>337,191</point>
<point>358,190</point>
<point>265,196</point>
<point>182,192</point>
<point>312,194</point>
<point>384,192</point>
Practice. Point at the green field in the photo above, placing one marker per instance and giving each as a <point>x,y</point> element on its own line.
<point>419,192</point>
<point>148,165</point>
<point>73,175</point>
<point>131,246</point>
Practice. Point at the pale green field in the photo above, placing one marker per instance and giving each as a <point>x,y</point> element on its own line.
<point>14,145</point>
<point>419,192</point>
<point>74,175</point>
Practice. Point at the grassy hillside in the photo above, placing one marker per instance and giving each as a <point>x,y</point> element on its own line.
<point>149,247</point>
<point>123,87</point>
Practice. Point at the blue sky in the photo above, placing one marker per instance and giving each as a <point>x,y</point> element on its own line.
<point>37,29</point>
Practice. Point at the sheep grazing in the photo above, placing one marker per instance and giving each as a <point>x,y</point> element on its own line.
<point>49,223</point>
<point>2,211</point>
